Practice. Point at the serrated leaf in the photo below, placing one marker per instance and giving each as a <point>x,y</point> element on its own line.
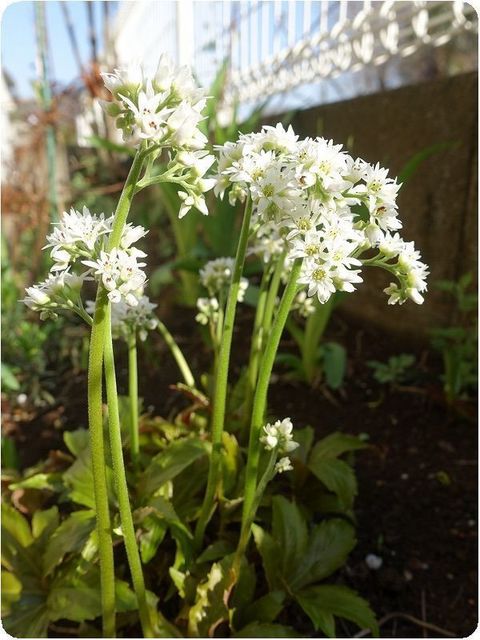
<point>289,530</point>
<point>70,536</point>
<point>263,630</point>
<point>270,552</point>
<point>328,546</point>
<point>323,602</point>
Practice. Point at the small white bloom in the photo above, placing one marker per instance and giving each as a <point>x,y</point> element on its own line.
<point>283,465</point>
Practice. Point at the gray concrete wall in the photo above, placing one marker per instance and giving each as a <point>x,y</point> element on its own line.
<point>438,205</point>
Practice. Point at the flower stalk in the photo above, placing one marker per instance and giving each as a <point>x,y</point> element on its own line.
<point>133,395</point>
<point>221,379</point>
<point>121,486</point>
<point>177,354</point>
<point>260,399</point>
<point>95,415</point>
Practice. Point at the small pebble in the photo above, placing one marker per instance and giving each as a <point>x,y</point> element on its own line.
<point>373,561</point>
<point>22,398</point>
<point>404,476</point>
<point>408,575</point>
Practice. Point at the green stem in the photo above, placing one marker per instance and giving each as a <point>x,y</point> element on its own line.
<point>273,293</point>
<point>260,399</point>
<point>256,345</point>
<point>246,526</point>
<point>177,354</point>
<point>133,394</point>
<point>121,486</point>
<point>95,418</point>
<point>314,330</point>
<point>95,415</point>
<point>221,379</point>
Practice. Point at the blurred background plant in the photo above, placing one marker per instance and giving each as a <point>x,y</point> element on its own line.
<point>458,343</point>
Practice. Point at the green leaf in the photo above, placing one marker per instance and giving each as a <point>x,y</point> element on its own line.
<point>334,364</point>
<point>263,630</point>
<point>81,599</point>
<point>329,544</point>
<point>265,609</point>
<point>169,463</point>
<point>11,589</point>
<point>9,381</point>
<point>41,481</point>
<point>289,530</point>
<point>10,459</point>
<point>16,525</point>
<point>28,621</point>
<point>270,552</point>
<point>77,441</point>
<point>337,476</point>
<point>323,602</point>
<point>215,551</point>
<point>305,438</point>
<point>209,609</point>
<point>153,532</point>
<point>44,521</point>
<point>70,536</point>
<point>334,445</point>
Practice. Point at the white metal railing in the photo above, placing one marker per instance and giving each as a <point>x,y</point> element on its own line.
<point>276,46</point>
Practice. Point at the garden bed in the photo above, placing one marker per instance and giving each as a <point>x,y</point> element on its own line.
<point>417,502</point>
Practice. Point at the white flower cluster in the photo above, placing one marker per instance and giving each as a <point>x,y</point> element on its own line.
<point>80,240</point>
<point>326,206</point>
<point>279,437</point>
<point>165,110</point>
<point>127,320</point>
<point>216,276</point>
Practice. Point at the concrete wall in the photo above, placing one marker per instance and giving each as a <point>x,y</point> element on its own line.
<point>438,205</point>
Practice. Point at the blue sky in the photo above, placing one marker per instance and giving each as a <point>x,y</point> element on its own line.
<point>19,45</point>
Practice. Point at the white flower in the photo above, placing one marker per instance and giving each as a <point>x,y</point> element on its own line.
<point>279,436</point>
<point>120,274</point>
<point>283,465</point>
<point>207,311</point>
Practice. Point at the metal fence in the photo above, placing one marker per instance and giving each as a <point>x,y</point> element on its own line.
<point>273,47</point>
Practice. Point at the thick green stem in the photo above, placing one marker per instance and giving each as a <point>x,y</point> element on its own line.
<point>133,395</point>
<point>95,418</point>
<point>247,524</point>
<point>177,354</point>
<point>121,486</point>
<point>256,346</point>
<point>260,399</point>
<point>221,380</point>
